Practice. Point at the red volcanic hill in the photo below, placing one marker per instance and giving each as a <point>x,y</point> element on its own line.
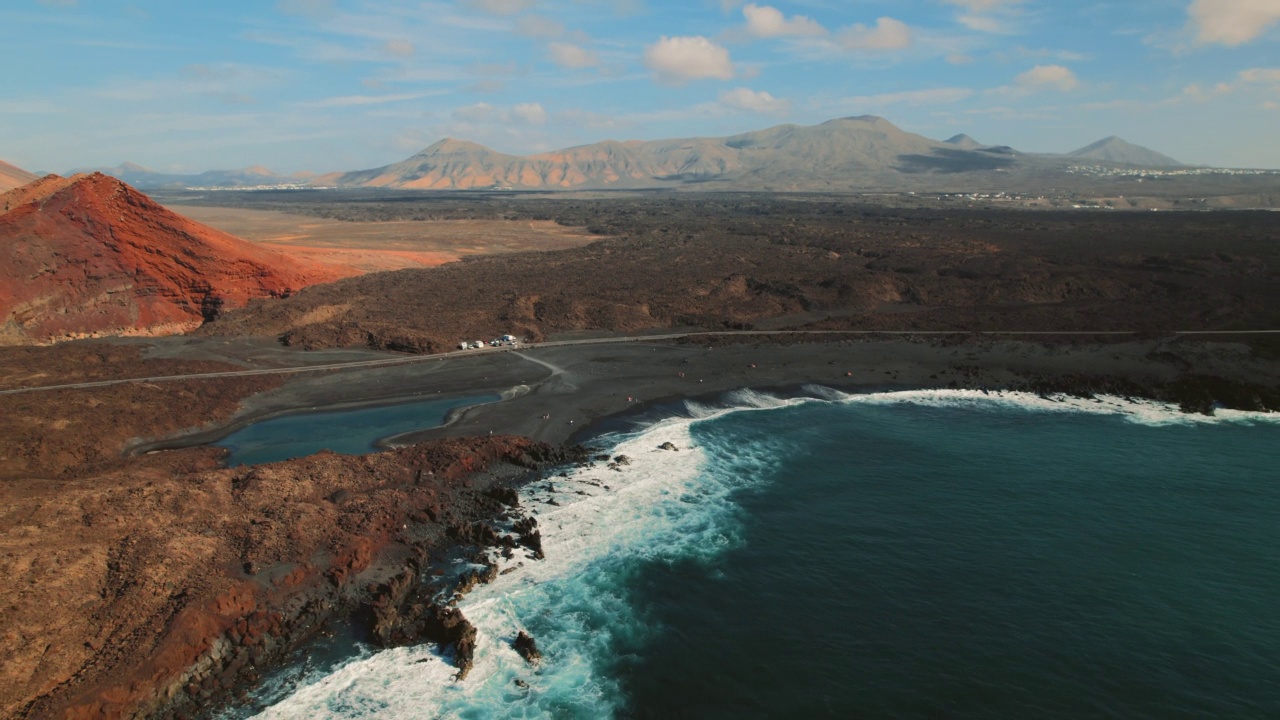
<point>12,177</point>
<point>89,256</point>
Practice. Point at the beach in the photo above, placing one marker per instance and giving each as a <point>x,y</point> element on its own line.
<point>559,394</point>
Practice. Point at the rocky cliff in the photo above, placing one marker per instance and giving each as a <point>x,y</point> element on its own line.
<point>89,256</point>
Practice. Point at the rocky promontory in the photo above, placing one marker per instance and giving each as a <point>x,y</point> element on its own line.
<point>145,592</point>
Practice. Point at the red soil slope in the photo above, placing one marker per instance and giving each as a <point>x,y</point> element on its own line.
<point>12,177</point>
<point>89,256</point>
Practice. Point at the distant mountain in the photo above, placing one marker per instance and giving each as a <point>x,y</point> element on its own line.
<point>147,179</point>
<point>1115,150</point>
<point>844,153</point>
<point>89,256</point>
<point>12,177</point>
<point>964,142</point>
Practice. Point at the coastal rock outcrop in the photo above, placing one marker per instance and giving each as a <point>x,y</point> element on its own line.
<point>527,647</point>
<point>165,589</point>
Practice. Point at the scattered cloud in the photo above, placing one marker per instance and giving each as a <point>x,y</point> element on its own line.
<point>1260,75</point>
<point>886,34</point>
<point>1231,22</point>
<point>1047,77</point>
<point>230,83</point>
<point>501,7</point>
<point>571,56</point>
<point>677,60</point>
<point>754,101</point>
<point>307,8</point>
<point>484,113</point>
<point>987,16</point>
<point>980,6</point>
<point>1266,78</point>
<point>361,100</point>
<point>399,47</point>
<point>960,59</point>
<point>537,26</point>
<point>764,21</point>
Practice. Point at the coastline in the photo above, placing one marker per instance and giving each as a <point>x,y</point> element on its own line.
<point>580,387</point>
<point>587,391</point>
<point>590,501</point>
<point>568,384</point>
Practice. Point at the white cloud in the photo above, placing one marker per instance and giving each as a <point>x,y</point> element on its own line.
<point>399,47</point>
<point>530,113</point>
<point>676,60</point>
<point>501,7</point>
<point>764,21</point>
<point>538,26</point>
<point>959,59</point>
<point>754,101</point>
<point>1260,75</point>
<point>486,114</point>
<point>1232,22</point>
<point>984,23</point>
<point>982,6</point>
<point>360,100</point>
<point>887,34</point>
<point>988,16</point>
<point>1245,80</point>
<point>571,56</point>
<point>1047,77</point>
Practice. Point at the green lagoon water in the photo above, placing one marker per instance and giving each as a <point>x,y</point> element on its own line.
<point>349,432</point>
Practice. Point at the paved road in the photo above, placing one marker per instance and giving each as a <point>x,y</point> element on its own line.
<point>411,359</point>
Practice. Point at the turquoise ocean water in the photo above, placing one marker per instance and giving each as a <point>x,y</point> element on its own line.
<point>911,555</point>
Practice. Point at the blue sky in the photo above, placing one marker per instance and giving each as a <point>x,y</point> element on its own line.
<point>324,85</point>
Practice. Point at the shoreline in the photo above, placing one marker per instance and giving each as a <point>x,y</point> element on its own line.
<point>585,388</point>
<point>386,515</point>
<point>650,425</point>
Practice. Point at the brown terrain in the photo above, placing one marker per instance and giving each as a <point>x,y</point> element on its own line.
<point>148,586</point>
<point>388,245</point>
<point>12,177</point>
<point>88,256</point>
<point>733,262</point>
<point>159,584</point>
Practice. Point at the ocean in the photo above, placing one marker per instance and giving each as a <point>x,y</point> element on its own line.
<point>933,554</point>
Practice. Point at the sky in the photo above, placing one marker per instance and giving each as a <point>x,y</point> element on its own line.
<point>325,85</point>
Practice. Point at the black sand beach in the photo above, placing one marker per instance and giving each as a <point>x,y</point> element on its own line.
<point>554,394</point>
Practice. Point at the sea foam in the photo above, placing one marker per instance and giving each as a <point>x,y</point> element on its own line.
<point>596,523</point>
<point>1141,411</point>
<point>599,524</point>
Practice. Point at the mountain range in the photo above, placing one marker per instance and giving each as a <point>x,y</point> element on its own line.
<point>847,153</point>
<point>147,179</point>
<point>853,153</point>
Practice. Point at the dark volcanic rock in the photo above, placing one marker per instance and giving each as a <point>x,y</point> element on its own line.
<point>528,649</point>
